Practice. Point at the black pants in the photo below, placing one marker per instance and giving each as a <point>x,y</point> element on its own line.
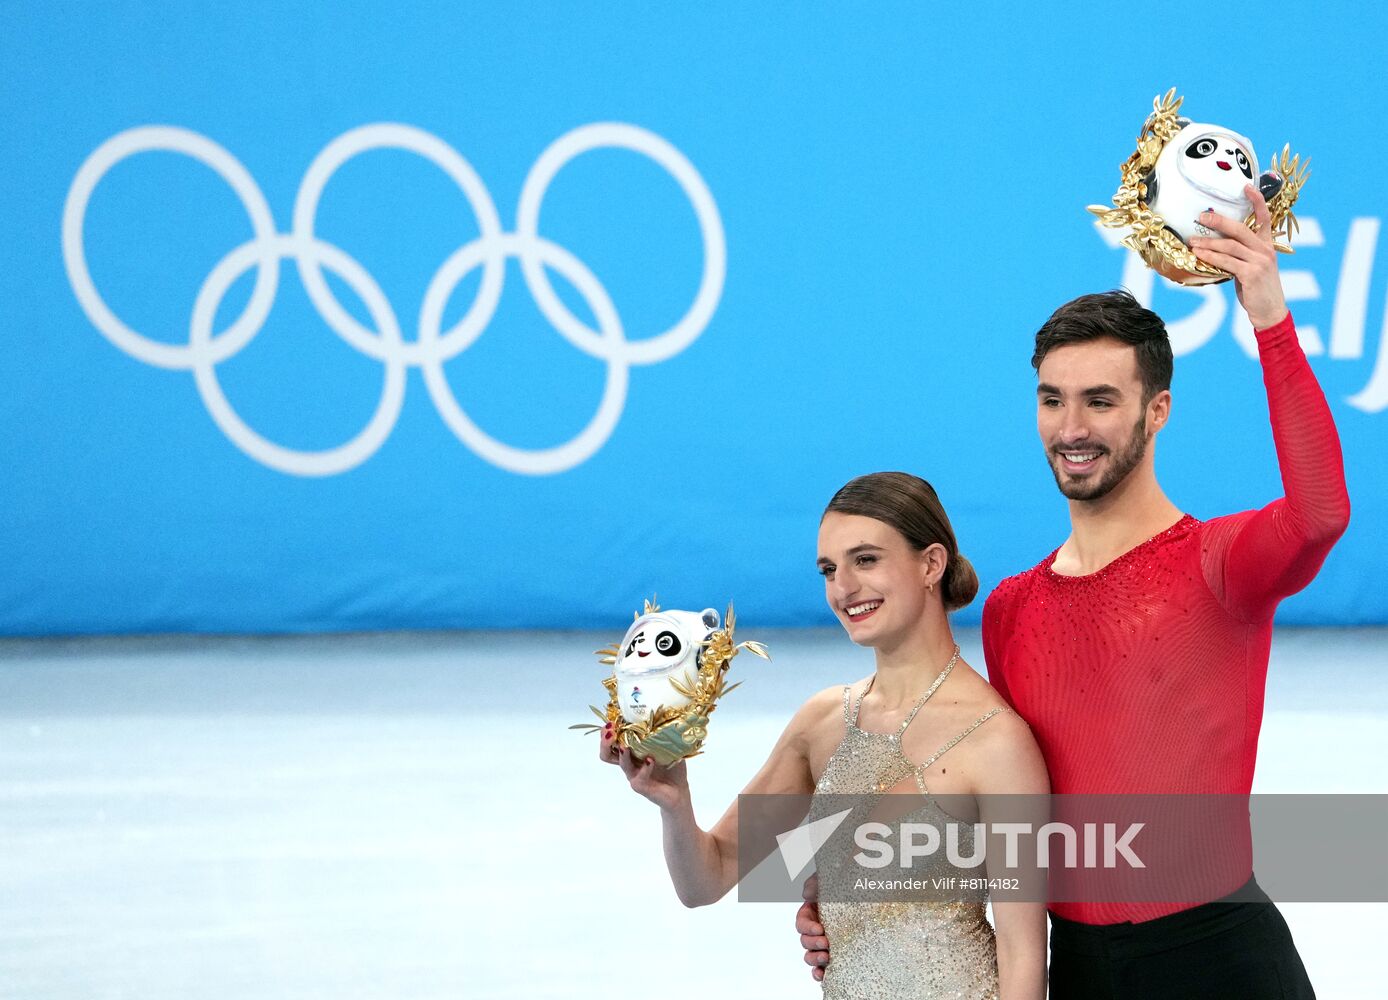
<point>1221,951</point>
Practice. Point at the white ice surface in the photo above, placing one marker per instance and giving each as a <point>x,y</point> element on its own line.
<point>407,817</point>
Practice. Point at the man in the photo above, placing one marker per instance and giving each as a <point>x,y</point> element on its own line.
<point>1138,650</point>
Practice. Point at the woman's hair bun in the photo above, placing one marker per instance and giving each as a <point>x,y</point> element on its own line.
<point>960,583</point>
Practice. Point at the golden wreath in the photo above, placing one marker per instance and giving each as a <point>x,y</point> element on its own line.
<point>1159,247</point>
<point>672,734</point>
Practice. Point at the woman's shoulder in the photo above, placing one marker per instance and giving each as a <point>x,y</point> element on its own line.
<point>995,719</point>
<point>1001,723</point>
<point>822,708</point>
<point>826,701</point>
<point>1007,752</point>
<point>974,692</point>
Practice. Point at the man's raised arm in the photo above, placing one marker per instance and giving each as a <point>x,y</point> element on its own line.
<point>1256,559</point>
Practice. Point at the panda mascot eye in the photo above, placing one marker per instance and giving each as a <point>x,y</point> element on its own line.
<point>1201,149</point>
<point>667,644</point>
<point>1243,163</point>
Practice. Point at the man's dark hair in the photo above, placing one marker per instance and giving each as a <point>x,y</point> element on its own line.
<point>1112,314</point>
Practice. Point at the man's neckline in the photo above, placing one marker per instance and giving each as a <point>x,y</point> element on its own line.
<point>1049,562</point>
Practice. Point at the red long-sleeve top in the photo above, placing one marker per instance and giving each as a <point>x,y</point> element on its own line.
<point>1148,675</point>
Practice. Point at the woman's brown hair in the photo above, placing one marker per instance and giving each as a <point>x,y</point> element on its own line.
<point>910,505</point>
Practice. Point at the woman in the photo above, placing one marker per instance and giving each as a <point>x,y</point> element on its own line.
<point>924,723</point>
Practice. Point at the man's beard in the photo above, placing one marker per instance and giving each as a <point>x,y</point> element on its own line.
<point>1120,464</point>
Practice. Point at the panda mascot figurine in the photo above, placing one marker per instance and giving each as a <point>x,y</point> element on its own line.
<point>667,676</point>
<point>661,650</point>
<point>1205,168</point>
<point>1182,168</point>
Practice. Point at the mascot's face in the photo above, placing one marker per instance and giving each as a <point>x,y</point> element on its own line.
<point>1217,163</point>
<point>1202,167</point>
<point>660,646</point>
<point>654,648</point>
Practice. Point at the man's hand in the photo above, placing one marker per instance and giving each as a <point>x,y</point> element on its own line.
<point>812,937</point>
<point>1247,255</point>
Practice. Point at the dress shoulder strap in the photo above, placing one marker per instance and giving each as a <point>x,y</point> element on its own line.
<point>950,745</point>
<point>935,686</point>
<point>926,697</point>
<point>847,689</point>
<point>858,704</point>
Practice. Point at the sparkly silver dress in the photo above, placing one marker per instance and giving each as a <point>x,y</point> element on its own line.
<point>894,949</point>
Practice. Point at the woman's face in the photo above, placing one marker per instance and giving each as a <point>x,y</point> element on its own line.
<point>874,581</point>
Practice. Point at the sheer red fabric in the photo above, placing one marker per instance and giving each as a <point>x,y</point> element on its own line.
<point>1148,676</point>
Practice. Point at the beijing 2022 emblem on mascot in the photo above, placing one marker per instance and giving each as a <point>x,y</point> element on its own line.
<point>1182,168</point>
<point>667,676</point>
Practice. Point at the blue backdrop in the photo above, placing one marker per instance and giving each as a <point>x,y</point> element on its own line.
<point>556,306</point>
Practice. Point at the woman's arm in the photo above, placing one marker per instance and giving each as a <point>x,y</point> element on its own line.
<point>703,864</point>
<point>1013,788</point>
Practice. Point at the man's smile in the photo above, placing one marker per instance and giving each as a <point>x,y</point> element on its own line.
<point>1078,461</point>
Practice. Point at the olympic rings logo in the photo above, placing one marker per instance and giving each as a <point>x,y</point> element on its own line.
<point>433,346</point>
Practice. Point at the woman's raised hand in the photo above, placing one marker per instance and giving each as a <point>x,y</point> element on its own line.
<point>667,787</point>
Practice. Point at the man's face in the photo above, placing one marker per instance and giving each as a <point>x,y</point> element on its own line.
<point>1091,416</point>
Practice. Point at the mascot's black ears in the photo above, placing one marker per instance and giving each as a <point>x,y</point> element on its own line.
<point>1150,183</point>
<point>1269,184</point>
